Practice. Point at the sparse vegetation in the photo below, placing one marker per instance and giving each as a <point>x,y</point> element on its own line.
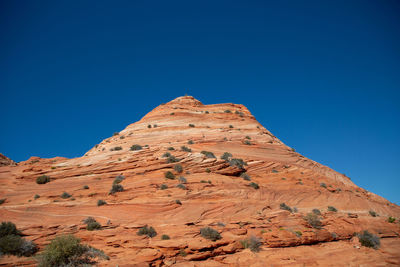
<point>208,170</point>
<point>190,142</point>
<point>245,176</point>
<point>186,149</point>
<point>115,134</point>
<point>67,250</point>
<point>313,220</point>
<point>136,147</point>
<point>254,185</point>
<point>253,243</point>
<point>11,242</point>
<point>238,163</point>
<point>85,187</point>
<point>373,213</point>
<point>191,125</point>
<point>182,180</point>
<point>322,185</point>
<point>65,195</point>
<point>43,179</point>
<point>92,224</point>
<point>36,196</point>
<point>149,126</point>
<point>2,200</point>
<point>178,202</point>
<point>165,237</point>
<point>226,156</point>
<point>181,186</point>
<point>208,154</point>
<point>332,208</point>
<point>149,231</point>
<point>369,240</point>
<point>247,142</point>
<point>172,159</point>
<point>101,202</point>
<point>178,168</point>
<point>163,187</point>
<point>228,111</point>
<point>116,148</point>
<point>391,219</point>
<point>116,188</point>
<point>171,148</point>
<point>166,154</point>
<point>283,206</point>
<point>169,175</point>
<point>274,171</point>
<point>231,126</point>
<point>118,179</point>
<point>209,233</point>
<point>316,211</point>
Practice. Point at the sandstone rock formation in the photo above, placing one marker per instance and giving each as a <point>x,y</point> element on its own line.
<point>217,193</point>
<point>4,161</point>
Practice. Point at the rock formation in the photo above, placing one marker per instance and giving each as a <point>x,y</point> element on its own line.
<point>261,188</point>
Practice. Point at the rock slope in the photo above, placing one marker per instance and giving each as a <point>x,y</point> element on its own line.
<point>240,196</point>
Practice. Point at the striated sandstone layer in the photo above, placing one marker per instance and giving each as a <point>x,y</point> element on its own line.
<point>213,195</point>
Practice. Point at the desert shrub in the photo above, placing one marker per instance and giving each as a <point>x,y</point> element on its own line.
<point>178,168</point>
<point>247,142</point>
<point>116,148</point>
<point>332,208</point>
<point>295,210</point>
<point>149,126</point>
<point>226,156</point>
<point>191,125</point>
<point>313,220</point>
<point>65,195</point>
<point>116,188</point>
<point>248,137</point>
<point>2,200</point>
<point>228,111</point>
<point>115,134</point>
<point>373,213</point>
<point>18,246</point>
<point>149,231</point>
<point>298,233</point>
<point>163,187</point>
<point>93,226</point>
<point>238,163</point>
<point>85,187</point>
<point>8,228</point>
<point>166,155</point>
<point>122,137</point>
<point>231,126</point>
<point>155,126</point>
<point>208,170</point>
<point>283,206</point>
<point>172,159</point>
<point>208,154</point>
<point>391,219</point>
<point>206,112</point>
<point>253,243</point>
<point>316,211</point>
<point>245,176</point>
<point>190,142</point>
<point>165,237</point>
<point>209,233</point>
<point>136,147</point>
<point>369,240</point>
<point>172,113</point>
<point>171,148</point>
<point>101,202</point>
<point>254,185</point>
<point>178,202</point>
<point>181,186</point>
<point>203,181</point>
<point>182,180</point>
<point>274,171</point>
<point>67,250</point>
<point>43,179</point>
<point>118,179</point>
<point>36,196</point>
<point>322,185</point>
<point>169,175</point>
<point>186,149</point>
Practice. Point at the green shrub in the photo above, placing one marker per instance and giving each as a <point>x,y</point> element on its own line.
<point>172,159</point>
<point>203,181</point>
<point>36,196</point>
<point>8,228</point>
<point>238,163</point>
<point>166,155</point>
<point>116,148</point>
<point>210,234</point>
<point>18,246</point>
<point>322,185</point>
<point>2,200</point>
<point>65,195</point>
<point>190,142</point>
<point>118,179</point>
<point>165,237</point>
<point>186,149</point>
<point>245,176</point>
<point>391,219</point>
<point>373,213</point>
<point>316,211</point>
<point>101,202</point>
<point>369,240</point>
<point>332,208</point>
<point>178,168</point>
<point>206,112</point>
<point>283,206</point>
<point>208,154</point>
<point>275,171</point>
<point>191,125</point>
<point>85,187</point>
<point>122,137</point>
<point>43,179</point>
<point>253,243</point>
<point>169,175</point>
<point>254,185</point>
<point>247,142</point>
<point>231,126</point>
<point>163,187</point>
<point>149,231</point>
<point>93,226</point>
<point>181,186</point>
<point>116,188</point>
<point>66,250</point>
<point>248,137</point>
<point>115,134</point>
<point>228,111</point>
<point>182,180</point>
<point>136,147</point>
<point>149,126</point>
<point>226,156</point>
<point>313,220</point>
<point>170,148</point>
<point>178,202</point>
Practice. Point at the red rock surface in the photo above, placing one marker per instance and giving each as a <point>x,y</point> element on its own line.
<point>4,161</point>
<point>215,197</point>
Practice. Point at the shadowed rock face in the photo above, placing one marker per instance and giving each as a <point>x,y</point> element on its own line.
<point>216,194</point>
<point>4,161</point>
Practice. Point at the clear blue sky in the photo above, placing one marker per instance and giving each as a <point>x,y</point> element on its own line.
<point>323,76</point>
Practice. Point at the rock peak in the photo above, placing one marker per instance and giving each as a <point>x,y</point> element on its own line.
<point>186,100</point>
